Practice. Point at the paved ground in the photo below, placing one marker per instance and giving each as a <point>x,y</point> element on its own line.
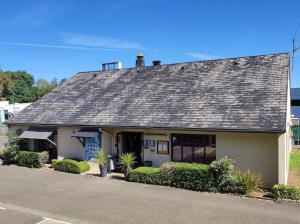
<point>30,194</point>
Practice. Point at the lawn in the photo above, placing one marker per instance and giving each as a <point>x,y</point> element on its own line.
<point>295,160</point>
<point>294,174</point>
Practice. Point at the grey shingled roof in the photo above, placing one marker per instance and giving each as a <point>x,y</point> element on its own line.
<point>236,94</point>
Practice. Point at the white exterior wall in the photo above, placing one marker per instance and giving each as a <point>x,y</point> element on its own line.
<point>107,142</point>
<point>68,147</point>
<point>256,152</point>
<point>150,154</point>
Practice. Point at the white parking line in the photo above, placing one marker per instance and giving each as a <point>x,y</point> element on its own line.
<point>1,208</point>
<point>46,220</point>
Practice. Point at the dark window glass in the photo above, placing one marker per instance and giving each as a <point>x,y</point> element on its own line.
<point>194,148</point>
<point>199,154</point>
<point>176,153</point>
<point>187,154</point>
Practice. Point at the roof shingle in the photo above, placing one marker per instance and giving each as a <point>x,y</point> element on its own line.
<point>245,94</point>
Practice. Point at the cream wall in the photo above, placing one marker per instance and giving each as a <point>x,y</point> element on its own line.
<point>257,152</point>
<point>68,147</point>
<point>107,142</point>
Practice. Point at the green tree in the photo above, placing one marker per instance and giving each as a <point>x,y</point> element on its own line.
<point>23,91</point>
<point>6,85</point>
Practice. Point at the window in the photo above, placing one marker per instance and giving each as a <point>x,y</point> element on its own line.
<point>162,147</point>
<point>193,148</point>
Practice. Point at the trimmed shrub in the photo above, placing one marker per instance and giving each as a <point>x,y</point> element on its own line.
<point>147,175</point>
<point>189,176</point>
<point>31,159</point>
<point>247,182</point>
<point>222,171</point>
<point>70,166</point>
<point>280,191</point>
<point>192,176</point>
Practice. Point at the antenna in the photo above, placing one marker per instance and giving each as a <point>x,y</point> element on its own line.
<point>295,48</point>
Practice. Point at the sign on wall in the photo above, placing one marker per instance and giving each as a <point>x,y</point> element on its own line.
<point>162,147</point>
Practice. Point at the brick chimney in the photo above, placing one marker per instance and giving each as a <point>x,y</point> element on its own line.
<point>140,62</point>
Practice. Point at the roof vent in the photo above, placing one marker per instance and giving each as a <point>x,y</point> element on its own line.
<point>156,62</point>
<point>140,62</point>
<point>111,66</point>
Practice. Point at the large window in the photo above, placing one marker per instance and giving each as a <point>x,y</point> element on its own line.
<point>193,148</point>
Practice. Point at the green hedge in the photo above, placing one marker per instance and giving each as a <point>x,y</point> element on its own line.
<point>190,176</point>
<point>286,192</point>
<point>70,166</point>
<point>32,159</point>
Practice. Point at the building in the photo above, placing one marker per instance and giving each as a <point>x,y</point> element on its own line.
<point>295,103</point>
<point>7,109</point>
<point>193,112</point>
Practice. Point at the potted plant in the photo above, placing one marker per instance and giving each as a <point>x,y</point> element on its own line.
<point>127,160</point>
<point>102,161</point>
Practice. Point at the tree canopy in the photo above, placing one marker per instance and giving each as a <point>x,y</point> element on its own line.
<point>20,87</point>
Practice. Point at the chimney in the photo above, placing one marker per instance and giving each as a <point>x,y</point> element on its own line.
<point>156,62</point>
<point>140,62</point>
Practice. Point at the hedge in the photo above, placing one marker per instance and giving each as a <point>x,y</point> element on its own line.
<point>70,166</point>
<point>281,191</point>
<point>190,176</point>
<point>32,159</point>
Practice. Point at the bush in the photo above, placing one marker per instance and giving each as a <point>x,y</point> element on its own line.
<point>286,192</point>
<point>31,159</point>
<point>193,176</point>
<point>70,166</point>
<point>147,175</point>
<point>247,182</point>
<point>10,154</point>
<point>222,171</point>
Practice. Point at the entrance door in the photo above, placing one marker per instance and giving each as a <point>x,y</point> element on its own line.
<point>133,144</point>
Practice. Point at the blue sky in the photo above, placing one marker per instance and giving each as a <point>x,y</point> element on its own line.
<point>57,38</point>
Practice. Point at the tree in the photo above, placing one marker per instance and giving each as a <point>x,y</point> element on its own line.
<point>23,91</point>
<point>45,87</point>
<point>6,85</point>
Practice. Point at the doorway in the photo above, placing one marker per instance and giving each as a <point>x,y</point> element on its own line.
<point>132,143</point>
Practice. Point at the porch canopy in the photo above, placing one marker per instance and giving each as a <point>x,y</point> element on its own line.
<point>38,133</point>
<point>86,133</point>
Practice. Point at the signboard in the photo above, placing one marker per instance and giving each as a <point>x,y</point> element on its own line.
<point>162,147</point>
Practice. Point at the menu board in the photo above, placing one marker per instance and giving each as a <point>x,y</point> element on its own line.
<point>162,147</point>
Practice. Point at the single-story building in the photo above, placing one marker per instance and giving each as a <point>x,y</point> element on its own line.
<point>192,112</point>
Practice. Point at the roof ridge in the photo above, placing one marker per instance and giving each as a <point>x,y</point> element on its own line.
<point>209,60</point>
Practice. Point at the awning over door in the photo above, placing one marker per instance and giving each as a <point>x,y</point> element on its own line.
<point>38,133</point>
<point>85,134</point>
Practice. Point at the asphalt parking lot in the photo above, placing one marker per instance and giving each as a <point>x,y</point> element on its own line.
<point>30,195</point>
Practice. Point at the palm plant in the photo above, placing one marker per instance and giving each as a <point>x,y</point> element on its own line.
<point>102,161</point>
<point>127,161</point>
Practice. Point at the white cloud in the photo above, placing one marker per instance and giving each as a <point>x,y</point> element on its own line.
<point>57,46</point>
<point>200,56</point>
<point>99,41</point>
<point>40,12</point>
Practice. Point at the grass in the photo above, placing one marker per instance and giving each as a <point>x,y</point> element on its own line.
<point>294,174</point>
<point>295,160</point>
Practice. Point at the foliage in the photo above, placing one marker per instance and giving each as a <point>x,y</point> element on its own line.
<point>180,175</point>
<point>222,171</point>
<point>45,87</point>
<point>247,181</point>
<point>20,87</point>
<point>102,158</point>
<point>147,175</point>
<point>31,159</point>
<point>6,85</point>
<point>127,160</point>
<point>70,166</point>
<point>10,154</point>
<point>295,160</point>
<point>286,192</point>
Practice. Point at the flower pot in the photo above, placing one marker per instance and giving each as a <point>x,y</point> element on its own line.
<point>103,171</point>
<point>126,173</point>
